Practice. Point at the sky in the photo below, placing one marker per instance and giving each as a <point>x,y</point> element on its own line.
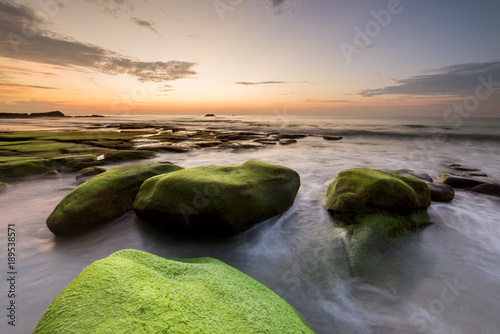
<point>313,57</point>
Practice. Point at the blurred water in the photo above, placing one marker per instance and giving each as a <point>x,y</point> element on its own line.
<point>298,254</point>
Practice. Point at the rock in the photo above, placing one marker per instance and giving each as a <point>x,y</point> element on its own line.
<point>487,188</point>
<point>209,115</point>
<point>291,135</point>
<point>469,174</point>
<point>456,181</point>
<point>462,168</point>
<point>88,173</point>
<point>26,167</point>
<point>441,192</point>
<point>127,155</point>
<point>75,162</point>
<point>217,200</point>
<point>413,173</point>
<point>103,198</point>
<point>47,114</point>
<point>4,187</point>
<point>240,146</point>
<point>136,292</point>
<point>287,141</point>
<point>265,142</point>
<point>375,208</point>
<point>328,137</point>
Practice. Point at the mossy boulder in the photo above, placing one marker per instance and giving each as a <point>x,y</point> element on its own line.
<point>103,198</point>
<point>87,173</point>
<point>374,208</point>
<point>217,200</point>
<point>135,292</point>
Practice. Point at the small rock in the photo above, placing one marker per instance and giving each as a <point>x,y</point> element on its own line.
<point>291,135</point>
<point>328,137</point>
<point>126,155</point>
<point>459,181</point>
<point>487,188</point>
<point>462,168</point>
<point>287,141</point>
<point>441,192</point>
<point>469,174</point>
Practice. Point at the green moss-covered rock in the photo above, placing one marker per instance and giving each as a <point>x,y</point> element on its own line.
<point>135,292</point>
<point>103,198</point>
<point>217,199</point>
<point>4,187</point>
<point>374,208</point>
<point>76,162</point>
<point>26,167</point>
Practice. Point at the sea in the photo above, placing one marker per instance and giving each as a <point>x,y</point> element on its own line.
<point>443,279</point>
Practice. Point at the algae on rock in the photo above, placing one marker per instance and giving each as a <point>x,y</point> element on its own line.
<point>132,291</point>
<point>103,198</point>
<point>374,208</point>
<point>217,200</point>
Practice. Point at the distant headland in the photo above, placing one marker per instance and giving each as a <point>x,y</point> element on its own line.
<point>40,114</point>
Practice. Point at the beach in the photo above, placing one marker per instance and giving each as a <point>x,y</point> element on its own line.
<point>443,280</point>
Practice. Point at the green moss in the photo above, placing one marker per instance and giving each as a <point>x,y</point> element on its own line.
<point>376,208</point>
<point>25,167</point>
<point>103,198</point>
<point>217,199</point>
<point>126,155</point>
<point>76,162</point>
<point>136,292</point>
<point>37,146</point>
<point>368,190</point>
<point>70,136</point>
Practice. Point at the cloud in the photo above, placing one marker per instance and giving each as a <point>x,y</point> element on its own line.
<point>114,7</point>
<point>276,7</point>
<point>47,47</point>
<point>329,101</point>
<point>247,83</point>
<point>455,80</point>
<point>6,84</point>
<point>146,24</point>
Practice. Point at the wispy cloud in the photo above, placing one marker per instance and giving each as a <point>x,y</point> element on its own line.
<point>276,7</point>
<point>7,84</point>
<point>146,24</point>
<point>328,101</point>
<point>115,7</point>
<point>248,83</point>
<point>455,80</point>
<point>50,48</point>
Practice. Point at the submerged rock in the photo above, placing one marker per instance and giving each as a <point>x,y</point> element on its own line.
<point>462,168</point>
<point>291,135</point>
<point>4,187</point>
<point>26,167</point>
<point>457,181</point>
<point>329,137</point>
<point>217,200</point>
<point>287,141</point>
<point>103,198</point>
<point>136,292</point>
<point>88,173</point>
<point>126,155</point>
<point>487,188</point>
<point>375,207</point>
<point>441,192</point>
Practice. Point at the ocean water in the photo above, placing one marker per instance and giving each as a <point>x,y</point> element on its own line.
<point>443,279</point>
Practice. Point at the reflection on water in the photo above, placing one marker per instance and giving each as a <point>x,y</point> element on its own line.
<point>299,254</point>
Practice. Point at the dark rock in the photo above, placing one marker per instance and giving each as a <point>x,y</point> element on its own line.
<point>217,200</point>
<point>240,146</point>
<point>469,174</point>
<point>287,141</point>
<point>456,181</point>
<point>487,188</point>
<point>47,114</point>
<point>103,198</point>
<point>209,115</point>
<point>441,192</point>
<point>291,135</point>
<point>328,137</point>
<point>459,167</point>
<point>127,155</point>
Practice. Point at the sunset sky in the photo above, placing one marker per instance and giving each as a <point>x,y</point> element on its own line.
<point>325,57</point>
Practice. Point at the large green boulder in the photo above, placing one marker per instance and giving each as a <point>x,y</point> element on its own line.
<point>375,208</point>
<point>135,292</point>
<point>103,198</point>
<point>217,200</point>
